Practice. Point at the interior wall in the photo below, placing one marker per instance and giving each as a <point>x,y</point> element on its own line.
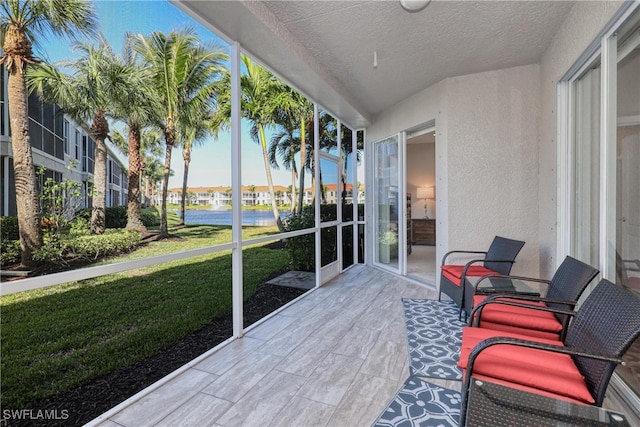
<point>580,28</point>
<point>421,172</point>
<point>486,156</point>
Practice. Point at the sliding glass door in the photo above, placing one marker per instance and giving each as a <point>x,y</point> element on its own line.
<point>604,186</point>
<point>387,202</point>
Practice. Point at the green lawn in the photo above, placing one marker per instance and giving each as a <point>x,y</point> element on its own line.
<point>57,338</point>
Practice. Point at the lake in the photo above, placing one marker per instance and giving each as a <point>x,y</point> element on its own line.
<point>215,217</point>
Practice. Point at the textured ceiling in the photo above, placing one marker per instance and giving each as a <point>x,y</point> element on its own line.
<point>326,48</point>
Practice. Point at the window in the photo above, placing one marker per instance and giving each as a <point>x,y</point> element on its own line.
<point>65,136</point>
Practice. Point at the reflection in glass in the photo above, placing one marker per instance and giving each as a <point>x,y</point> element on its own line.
<point>586,166</point>
<point>347,246</point>
<point>386,188</point>
<point>328,133</point>
<point>329,245</point>
<point>328,189</point>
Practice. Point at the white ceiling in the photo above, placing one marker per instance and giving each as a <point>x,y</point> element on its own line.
<point>325,48</point>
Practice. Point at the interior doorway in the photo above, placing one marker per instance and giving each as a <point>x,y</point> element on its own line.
<point>421,204</point>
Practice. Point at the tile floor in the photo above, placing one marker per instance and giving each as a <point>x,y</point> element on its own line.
<point>334,358</point>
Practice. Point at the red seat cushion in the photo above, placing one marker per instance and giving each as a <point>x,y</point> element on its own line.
<point>531,322</point>
<point>454,272</point>
<point>554,373</point>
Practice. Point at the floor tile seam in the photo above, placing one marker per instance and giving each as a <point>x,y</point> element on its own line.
<point>333,410</point>
<point>187,401</point>
<point>298,396</point>
<point>266,372</point>
<point>234,404</point>
<point>238,360</point>
<point>346,395</point>
<point>235,363</point>
<point>311,378</point>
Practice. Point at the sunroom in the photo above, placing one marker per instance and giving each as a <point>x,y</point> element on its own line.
<point>518,119</point>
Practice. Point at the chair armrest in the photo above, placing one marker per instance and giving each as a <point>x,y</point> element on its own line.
<point>534,298</point>
<point>506,276</point>
<point>460,252</point>
<point>473,261</point>
<point>476,313</point>
<point>489,342</point>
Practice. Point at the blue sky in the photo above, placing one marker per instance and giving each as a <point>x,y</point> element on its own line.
<point>210,164</point>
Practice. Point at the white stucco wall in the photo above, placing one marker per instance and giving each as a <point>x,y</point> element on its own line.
<point>581,27</point>
<point>486,157</point>
<point>492,158</point>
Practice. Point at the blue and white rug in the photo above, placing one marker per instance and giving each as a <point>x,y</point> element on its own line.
<point>434,334</point>
<point>419,403</point>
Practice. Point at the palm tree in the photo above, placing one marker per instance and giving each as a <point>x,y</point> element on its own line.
<point>153,173</point>
<point>192,133</point>
<point>136,108</point>
<point>87,95</point>
<point>263,96</point>
<point>183,69</point>
<point>285,144</point>
<point>301,109</point>
<point>21,23</point>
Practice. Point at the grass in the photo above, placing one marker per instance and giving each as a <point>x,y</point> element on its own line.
<point>55,339</point>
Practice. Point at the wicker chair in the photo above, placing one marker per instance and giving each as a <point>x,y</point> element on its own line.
<point>497,260</point>
<point>577,369</point>
<point>521,314</point>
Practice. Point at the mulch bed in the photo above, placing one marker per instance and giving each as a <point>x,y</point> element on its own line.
<point>91,400</point>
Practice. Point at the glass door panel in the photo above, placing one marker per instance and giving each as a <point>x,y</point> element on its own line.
<point>586,147</point>
<point>386,190</point>
<point>627,176</point>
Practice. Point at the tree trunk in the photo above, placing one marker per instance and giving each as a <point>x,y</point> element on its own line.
<point>294,173</point>
<point>27,202</point>
<point>134,219</point>
<point>164,228</point>
<point>267,168</point>
<point>186,155</point>
<point>303,162</point>
<point>100,130</point>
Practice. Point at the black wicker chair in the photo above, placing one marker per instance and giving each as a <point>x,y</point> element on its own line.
<point>516,315</point>
<point>497,260</point>
<point>602,330</point>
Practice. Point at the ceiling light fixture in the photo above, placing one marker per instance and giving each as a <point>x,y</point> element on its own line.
<point>414,5</point>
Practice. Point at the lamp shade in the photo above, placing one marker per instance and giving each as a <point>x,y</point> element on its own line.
<point>426,193</point>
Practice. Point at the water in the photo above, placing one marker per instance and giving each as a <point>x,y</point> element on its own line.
<point>249,217</point>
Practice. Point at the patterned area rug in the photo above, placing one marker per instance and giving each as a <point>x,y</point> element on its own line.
<point>433,334</point>
<point>419,403</point>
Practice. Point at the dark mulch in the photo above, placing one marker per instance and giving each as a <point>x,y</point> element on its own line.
<point>84,403</point>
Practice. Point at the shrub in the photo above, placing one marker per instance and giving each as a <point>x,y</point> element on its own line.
<point>9,252</point>
<point>150,217</point>
<point>9,228</point>
<point>114,216</point>
<point>88,247</point>
<point>302,248</point>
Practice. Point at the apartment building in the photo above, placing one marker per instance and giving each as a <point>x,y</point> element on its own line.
<point>62,146</point>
